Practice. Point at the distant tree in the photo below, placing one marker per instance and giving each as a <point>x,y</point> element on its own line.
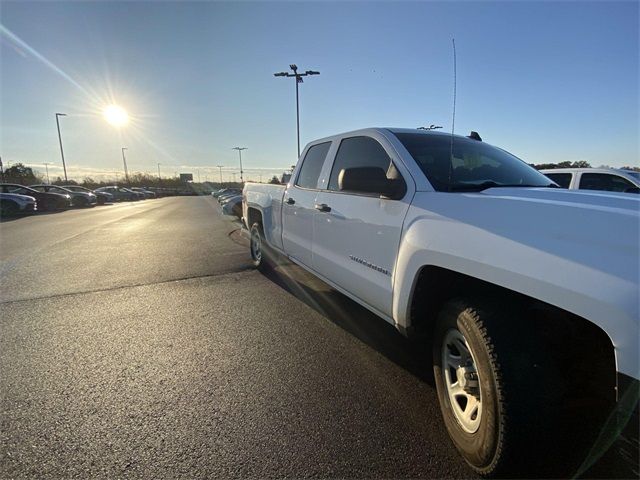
<point>581,164</point>
<point>565,164</point>
<point>60,181</point>
<point>274,180</point>
<point>20,173</point>
<point>635,169</point>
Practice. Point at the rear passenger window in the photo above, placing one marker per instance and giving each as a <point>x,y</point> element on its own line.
<point>312,165</point>
<point>604,181</point>
<point>562,179</point>
<point>359,152</point>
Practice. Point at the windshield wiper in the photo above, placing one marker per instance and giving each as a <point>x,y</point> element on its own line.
<point>478,187</point>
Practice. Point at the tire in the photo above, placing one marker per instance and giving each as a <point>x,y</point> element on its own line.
<point>493,387</point>
<point>260,253</point>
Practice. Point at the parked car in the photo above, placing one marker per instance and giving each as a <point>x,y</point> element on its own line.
<point>222,191</point>
<point>606,179</point>
<point>138,195</point>
<point>102,197</point>
<point>146,193</point>
<point>229,194</point>
<point>527,296</point>
<point>119,193</point>
<point>45,200</point>
<point>78,199</point>
<point>14,204</point>
<point>233,206</point>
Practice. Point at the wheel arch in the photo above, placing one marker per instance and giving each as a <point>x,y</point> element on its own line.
<point>255,213</point>
<point>434,286</point>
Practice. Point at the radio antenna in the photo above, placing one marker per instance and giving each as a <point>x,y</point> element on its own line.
<point>453,116</point>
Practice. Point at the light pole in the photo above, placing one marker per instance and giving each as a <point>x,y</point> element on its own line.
<point>46,166</point>
<point>124,160</point>
<point>239,149</point>
<point>64,166</point>
<point>220,167</point>
<point>298,77</point>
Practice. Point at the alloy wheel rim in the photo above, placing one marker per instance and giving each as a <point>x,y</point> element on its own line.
<point>462,381</point>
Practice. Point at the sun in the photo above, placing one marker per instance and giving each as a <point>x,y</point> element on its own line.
<point>115,115</point>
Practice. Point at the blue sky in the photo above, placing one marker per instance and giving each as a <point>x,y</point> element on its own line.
<point>548,81</point>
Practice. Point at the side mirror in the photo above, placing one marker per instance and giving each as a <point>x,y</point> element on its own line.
<point>371,180</point>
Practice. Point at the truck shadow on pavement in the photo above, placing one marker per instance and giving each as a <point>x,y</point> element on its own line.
<point>367,327</point>
<point>620,461</point>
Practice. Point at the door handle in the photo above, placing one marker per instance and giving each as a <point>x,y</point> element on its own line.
<point>290,201</point>
<point>323,207</point>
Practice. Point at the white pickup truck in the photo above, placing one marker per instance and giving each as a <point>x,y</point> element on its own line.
<point>526,293</point>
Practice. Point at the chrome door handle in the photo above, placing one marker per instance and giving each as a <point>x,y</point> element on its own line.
<point>323,207</point>
<point>290,201</point>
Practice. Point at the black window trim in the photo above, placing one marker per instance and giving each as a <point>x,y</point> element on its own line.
<point>295,181</point>
<point>370,195</point>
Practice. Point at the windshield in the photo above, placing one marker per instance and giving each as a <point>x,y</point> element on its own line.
<point>475,165</point>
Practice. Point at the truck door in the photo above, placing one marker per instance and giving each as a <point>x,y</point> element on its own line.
<point>357,235</point>
<point>298,205</point>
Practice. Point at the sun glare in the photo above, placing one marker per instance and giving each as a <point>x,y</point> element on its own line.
<point>116,116</point>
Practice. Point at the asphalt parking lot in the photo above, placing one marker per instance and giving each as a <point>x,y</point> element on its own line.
<point>137,340</point>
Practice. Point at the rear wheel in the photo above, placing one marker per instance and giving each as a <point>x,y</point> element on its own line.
<point>260,253</point>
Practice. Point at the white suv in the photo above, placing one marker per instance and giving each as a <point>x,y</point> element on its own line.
<point>608,179</point>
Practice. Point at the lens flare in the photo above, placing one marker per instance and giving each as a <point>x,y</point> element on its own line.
<point>115,115</point>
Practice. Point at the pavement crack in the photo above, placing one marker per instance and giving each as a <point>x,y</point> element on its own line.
<point>225,273</point>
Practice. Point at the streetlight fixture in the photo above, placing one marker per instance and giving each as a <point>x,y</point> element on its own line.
<point>298,77</point>
<point>220,167</point>
<point>239,149</point>
<point>124,160</point>
<point>64,166</point>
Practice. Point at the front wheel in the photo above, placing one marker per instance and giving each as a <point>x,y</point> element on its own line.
<point>258,247</point>
<point>489,375</point>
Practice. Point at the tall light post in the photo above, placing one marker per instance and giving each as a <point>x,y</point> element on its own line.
<point>220,167</point>
<point>239,149</point>
<point>64,166</point>
<point>46,166</point>
<point>124,160</point>
<point>298,77</point>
